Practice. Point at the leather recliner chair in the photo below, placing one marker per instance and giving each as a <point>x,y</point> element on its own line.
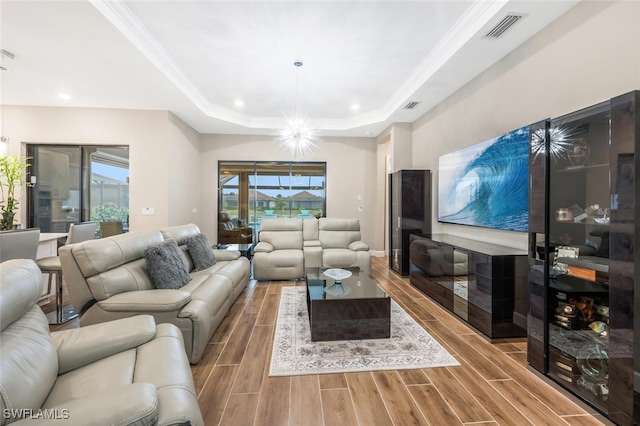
<point>228,233</point>
<point>341,244</point>
<point>279,255</point>
<point>127,371</point>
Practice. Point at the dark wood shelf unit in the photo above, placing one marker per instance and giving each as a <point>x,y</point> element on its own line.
<point>582,332</point>
<point>409,213</point>
<point>489,292</point>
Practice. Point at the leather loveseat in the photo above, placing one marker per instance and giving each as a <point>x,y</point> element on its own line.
<point>289,245</point>
<point>124,372</point>
<point>108,279</point>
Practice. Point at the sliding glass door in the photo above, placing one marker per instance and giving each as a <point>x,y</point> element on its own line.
<point>251,191</point>
<point>76,183</point>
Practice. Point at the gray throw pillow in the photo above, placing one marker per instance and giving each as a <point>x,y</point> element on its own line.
<point>201,252</point>
<point>166,266</point>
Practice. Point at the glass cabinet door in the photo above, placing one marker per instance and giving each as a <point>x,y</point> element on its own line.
<point>582,328</point>
<point>578,245</point>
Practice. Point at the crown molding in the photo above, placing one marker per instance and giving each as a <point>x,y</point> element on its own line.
<point>123,19</point>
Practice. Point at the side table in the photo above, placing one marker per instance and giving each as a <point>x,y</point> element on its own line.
<point>245,250</point>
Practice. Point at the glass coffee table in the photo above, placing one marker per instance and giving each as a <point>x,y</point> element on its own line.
<point>352,309</point>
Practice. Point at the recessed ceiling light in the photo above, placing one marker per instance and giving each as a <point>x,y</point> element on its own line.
<point>64,96</point>
<point>355,107</point>
<point>239,103</point>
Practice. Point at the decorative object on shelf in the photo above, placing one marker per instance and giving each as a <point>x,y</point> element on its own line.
<point>337,274</point>
<point>593,362</point>
<point>566,252</point>
<point>560,144</point>
<point>599,327</point>
<point>578,153</point>
<point>297,136</point>
<point>13,171</point>
<point>564,215</point>
<point>585,307</point>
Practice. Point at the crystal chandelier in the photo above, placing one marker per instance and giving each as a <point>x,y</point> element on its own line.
<point>297,137</point>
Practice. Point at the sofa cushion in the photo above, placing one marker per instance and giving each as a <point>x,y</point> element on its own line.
<point>282,233</point>
<point>201,252</point>
<point>285,258</point>
<point>338,233</point>
<point>105,254</point>
<point>165,265</point>
<point>339,258</point>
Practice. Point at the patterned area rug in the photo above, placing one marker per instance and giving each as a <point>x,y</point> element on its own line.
<point>409,346</point>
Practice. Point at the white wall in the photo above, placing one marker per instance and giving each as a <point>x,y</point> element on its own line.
<point>162,152</point>
<point>351,171</point>
<point>185,184</point>
<point>587,56</point>
<point>174,169</point>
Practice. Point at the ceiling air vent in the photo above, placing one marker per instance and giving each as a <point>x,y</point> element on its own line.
<point>411,105</point>
<point>503,26</point>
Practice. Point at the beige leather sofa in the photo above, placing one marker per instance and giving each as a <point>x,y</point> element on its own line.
<point>124,372</point>
<point>278,254</point>
<point>287,246</point>
<point>107,279</point>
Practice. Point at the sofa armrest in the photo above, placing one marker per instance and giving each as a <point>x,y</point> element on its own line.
<point>82,346</point>
<point>312,243</point>
<point>263,247</point>
<point>226,254</point>
<point>136,403</point>
<point>358,246</point>
<point>146,301</point>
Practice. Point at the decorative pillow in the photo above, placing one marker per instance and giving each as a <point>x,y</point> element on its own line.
<point>201,252</point>
<point>165,266</point>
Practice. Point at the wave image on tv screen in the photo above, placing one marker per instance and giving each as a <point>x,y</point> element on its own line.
<point>487,184</point>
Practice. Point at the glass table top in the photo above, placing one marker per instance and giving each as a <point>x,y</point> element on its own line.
<point>357,286</point>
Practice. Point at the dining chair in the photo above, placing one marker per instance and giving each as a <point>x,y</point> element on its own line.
<point>111,227</point>
<point>19,244</point>
<point>51,265</point>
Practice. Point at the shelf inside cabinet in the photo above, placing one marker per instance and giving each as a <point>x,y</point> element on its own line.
<point>569,284</point>
<point>575,169</point>
<point>575,342</point>
<point>590,268</point>
<point>599,264</point>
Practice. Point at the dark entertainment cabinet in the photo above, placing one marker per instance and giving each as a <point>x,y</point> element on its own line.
<point>482,283</point>
<point>409,213</point>
<point>582,275</point>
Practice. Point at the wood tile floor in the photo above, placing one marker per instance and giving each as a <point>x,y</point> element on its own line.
<point>492,386</point>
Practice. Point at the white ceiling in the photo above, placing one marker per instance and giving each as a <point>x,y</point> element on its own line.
<point>199,59</point>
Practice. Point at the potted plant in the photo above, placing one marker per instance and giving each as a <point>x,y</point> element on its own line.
<point>13,171</point>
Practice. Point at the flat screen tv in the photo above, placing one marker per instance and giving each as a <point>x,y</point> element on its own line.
<point>487,184</point>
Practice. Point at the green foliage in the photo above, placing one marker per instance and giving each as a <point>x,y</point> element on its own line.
<point>281,203</point>
<point>13,172</point>
<point>110,212</point>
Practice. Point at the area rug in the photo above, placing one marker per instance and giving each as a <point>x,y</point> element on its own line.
<point>409,346</point>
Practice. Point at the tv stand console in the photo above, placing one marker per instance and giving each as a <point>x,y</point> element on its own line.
<point>484,284</point>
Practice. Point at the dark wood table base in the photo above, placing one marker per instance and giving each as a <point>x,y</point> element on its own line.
<point>363,314</point>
